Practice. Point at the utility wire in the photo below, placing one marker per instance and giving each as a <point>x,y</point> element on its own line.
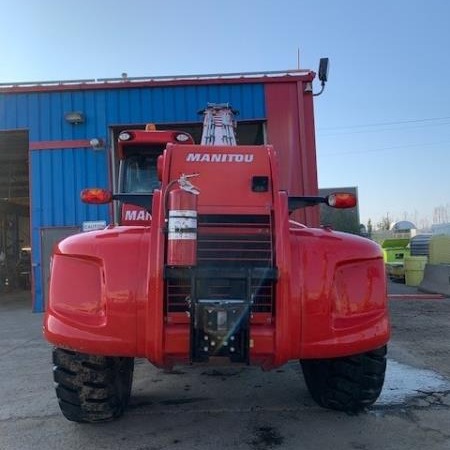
<point>399,122</point>
<point>343,133</point>
<point>361,152</point>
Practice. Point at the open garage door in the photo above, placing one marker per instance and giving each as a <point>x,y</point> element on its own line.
<point>15,265</point>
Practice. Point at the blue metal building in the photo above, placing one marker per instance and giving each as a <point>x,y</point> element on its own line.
<point>55,122</point>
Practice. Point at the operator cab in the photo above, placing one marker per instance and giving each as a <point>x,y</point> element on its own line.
<point>138,152</point>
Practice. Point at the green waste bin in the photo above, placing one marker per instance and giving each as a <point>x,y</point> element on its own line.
<point>414,269</point>
<point>395,250</point>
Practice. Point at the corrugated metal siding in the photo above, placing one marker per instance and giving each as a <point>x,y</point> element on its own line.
<point>43,112</point>
<point>57,176</point>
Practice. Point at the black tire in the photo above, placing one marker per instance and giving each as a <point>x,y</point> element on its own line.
<point>91,388</point>
<point>346,384</point>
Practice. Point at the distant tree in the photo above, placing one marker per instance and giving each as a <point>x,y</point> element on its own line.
<point>369,227</point>
<point>440,214</point>
<point>424,224</point>
<point>385,223</point>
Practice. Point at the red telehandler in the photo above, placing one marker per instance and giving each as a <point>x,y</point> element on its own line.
<point>220,273</point>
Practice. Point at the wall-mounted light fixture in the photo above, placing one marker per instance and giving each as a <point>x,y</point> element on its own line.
<point>74,117</point>
<point>97,143</point>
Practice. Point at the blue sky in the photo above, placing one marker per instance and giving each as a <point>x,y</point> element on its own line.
<point>383,122</point>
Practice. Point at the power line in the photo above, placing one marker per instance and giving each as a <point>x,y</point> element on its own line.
<point>396,147</point>
<point>378,124</point>
<point>343,133</point>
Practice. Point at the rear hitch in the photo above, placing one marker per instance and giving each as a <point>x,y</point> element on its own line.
<point>220,329</point>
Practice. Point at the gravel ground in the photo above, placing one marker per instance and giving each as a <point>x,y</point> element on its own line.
<point>234,408</point>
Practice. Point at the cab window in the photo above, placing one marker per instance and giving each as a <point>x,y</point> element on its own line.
<point>140,174</point>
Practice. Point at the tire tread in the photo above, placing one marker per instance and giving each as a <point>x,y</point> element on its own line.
<point>346,384</point>
<point>91,388</point>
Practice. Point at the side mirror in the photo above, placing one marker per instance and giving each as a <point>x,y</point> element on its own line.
<point>339,200</point>
<point>98,196</point>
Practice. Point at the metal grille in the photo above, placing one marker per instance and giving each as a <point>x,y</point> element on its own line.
<point>234,241</point>
<point>227,243</point>
<point>178,291</point>
<point>263,295</point>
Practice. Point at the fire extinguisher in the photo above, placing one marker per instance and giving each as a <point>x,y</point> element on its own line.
<point>182,228</point>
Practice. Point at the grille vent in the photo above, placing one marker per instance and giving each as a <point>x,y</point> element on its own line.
<point>227,242</point>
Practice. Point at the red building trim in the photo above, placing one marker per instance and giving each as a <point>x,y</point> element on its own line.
<point>290,129</point>
<point>57,145</point>
<point>136,83</point>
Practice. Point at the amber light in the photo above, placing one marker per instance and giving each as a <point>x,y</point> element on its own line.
<point>341,200</point>
<point>96,196</point>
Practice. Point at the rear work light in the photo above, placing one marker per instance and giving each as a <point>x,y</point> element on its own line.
<point>341,200</point>
<point>181,137</point>
<point>96,196</point>
<point>126,136</point>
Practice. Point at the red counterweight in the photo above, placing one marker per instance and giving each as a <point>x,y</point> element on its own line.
<point>182,236</point>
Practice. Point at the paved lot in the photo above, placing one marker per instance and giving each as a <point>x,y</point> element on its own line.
<point>242,408</point>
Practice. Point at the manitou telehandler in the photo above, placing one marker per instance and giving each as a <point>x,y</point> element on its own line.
<point>217,272</point>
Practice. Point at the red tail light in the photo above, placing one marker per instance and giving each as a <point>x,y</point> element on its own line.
<point>96,196</point>
<point>341,200</point>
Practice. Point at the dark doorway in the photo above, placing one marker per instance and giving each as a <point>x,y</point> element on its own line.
<point>15,250</point>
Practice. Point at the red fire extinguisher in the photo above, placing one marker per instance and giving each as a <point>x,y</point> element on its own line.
<point>182,228</point>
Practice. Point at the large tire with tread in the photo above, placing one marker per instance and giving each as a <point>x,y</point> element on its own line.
<point>346,384</point>
<point>91,388</point>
